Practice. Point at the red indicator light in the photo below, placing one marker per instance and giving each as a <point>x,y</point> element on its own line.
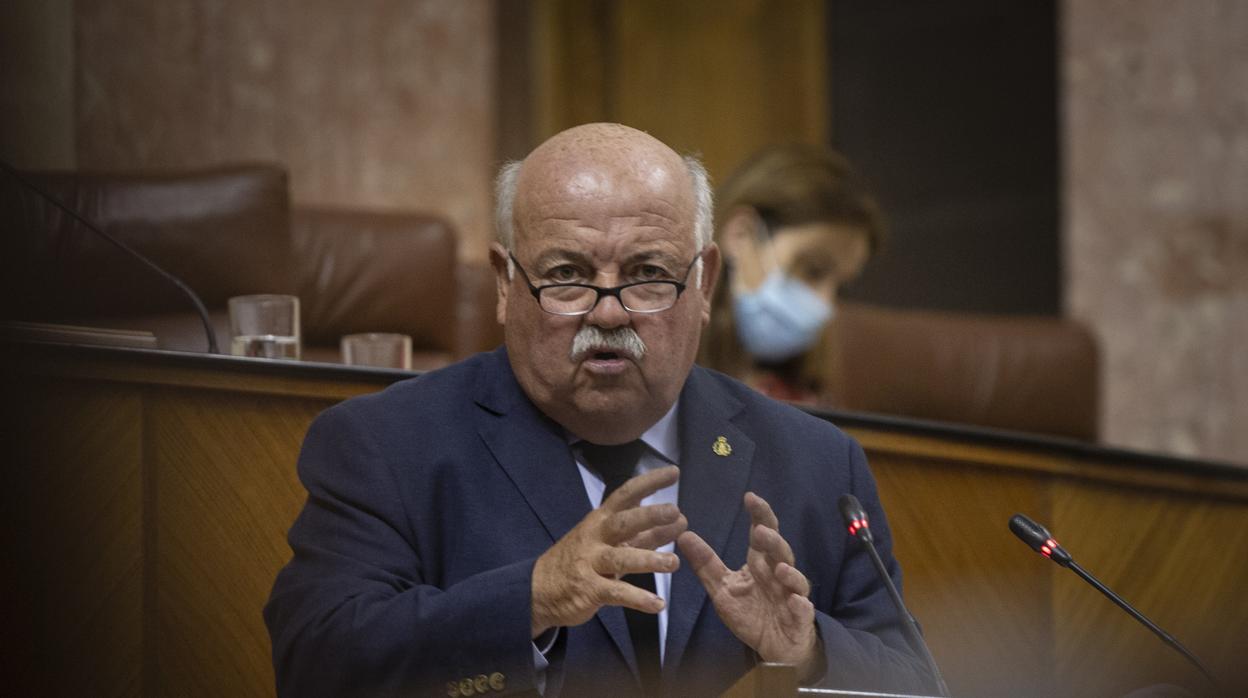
<point>1045,550</point>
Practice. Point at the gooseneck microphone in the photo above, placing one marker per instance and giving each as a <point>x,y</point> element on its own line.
<point>1039,539</point>
<point>859,527</point>
<point>195,301</point>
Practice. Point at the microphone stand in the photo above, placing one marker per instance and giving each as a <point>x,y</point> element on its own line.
<point>1165,636</point>
<point>911,625</point>
<point>1039,539</point>
<point>856,520</point>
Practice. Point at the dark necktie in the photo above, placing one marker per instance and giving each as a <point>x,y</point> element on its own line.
<point>616,465</point>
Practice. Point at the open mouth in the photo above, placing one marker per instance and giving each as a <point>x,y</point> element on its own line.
<point>605,362</point>
<point>603,354</point>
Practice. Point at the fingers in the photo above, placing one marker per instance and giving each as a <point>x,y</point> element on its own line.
<point>770,559</point>
<point>612,561</point>
<point>760,511</point>
<point>631,493</point>
<point>623,526</point>
<point>658,536</point>
<point>793,580</point>
<point>769,542</point>
<point>779,580</point>
<point>801,610</point>
<point>702,560</point>
<point>617,592</point>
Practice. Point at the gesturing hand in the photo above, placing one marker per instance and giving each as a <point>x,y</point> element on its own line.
<point>581,572</point>
<point>765,602</point>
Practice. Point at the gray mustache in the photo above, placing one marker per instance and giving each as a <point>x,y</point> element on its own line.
<point>621,340</point>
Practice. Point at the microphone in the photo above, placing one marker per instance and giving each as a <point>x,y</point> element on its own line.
<point>1040,540</point>
<point>859,527</point>
<point>195,300</point>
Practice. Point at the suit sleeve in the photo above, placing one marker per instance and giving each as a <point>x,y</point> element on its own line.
<point>351,613</point>
<point>864,644</point>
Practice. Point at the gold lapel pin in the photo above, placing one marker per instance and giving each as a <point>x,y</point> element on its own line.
<point>721,447</point>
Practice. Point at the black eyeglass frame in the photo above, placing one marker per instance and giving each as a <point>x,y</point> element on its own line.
<point>614,291</point>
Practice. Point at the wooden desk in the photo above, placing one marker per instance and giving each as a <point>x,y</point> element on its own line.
<point>150,492</point>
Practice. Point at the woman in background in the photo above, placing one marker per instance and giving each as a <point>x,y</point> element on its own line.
<point>794,224</point>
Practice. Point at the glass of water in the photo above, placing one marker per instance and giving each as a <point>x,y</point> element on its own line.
<point>382,349</point>
<point>265,326</point>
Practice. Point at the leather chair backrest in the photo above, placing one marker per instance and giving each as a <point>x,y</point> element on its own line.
<point>224,231</point>
<point>366,271</point>
<point>1011,372</point>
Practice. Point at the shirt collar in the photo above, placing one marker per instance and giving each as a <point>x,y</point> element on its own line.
<point>663,437</point>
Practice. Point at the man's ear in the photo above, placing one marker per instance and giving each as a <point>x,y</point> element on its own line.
<point>499,259</point>
<point>711,267</point>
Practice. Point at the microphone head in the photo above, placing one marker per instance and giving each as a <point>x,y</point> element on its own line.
<point>855,517</point>
<point>1039,539</point>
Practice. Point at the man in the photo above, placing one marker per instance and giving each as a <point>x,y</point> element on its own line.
<point>453,542</point>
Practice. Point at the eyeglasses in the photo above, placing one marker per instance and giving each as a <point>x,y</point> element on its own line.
<point>580,299</point>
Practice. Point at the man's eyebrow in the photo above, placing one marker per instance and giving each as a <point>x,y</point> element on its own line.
<point>560,255</point>
<point>659,256</point>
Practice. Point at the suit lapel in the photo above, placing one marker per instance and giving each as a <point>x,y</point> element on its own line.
<point>531,448</point>
<point>713,482</point>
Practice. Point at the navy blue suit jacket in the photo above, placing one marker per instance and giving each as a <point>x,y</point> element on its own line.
<point>429,502</point>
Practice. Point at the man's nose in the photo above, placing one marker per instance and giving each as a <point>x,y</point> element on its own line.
<point>609,313</point>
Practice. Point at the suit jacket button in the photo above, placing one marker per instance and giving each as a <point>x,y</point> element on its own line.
<point>480,683</point>
<point>497,681</point>
<point>465,688</point>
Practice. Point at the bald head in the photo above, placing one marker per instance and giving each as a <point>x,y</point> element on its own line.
<point>603,161</point>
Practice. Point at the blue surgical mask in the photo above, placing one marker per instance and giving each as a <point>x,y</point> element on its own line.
<point>781,318</point>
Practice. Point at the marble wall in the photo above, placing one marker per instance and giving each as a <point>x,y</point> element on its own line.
<point>380,104</point>
<point>1156,217</point>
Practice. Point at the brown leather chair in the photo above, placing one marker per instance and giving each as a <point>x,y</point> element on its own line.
<point>390,272</point>
<point>1032,374</point>
<point>224,231</point>
<point>229,231</point>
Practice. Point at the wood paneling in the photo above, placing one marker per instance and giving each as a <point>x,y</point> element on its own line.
<point>1001,620</point>
<point>77,510</point>
<point>964,573</point>
<point>226,493</point>
<point>1181,560</point>
<point>719,77</point>
<point>151,494</point>
<point>151,502</point>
